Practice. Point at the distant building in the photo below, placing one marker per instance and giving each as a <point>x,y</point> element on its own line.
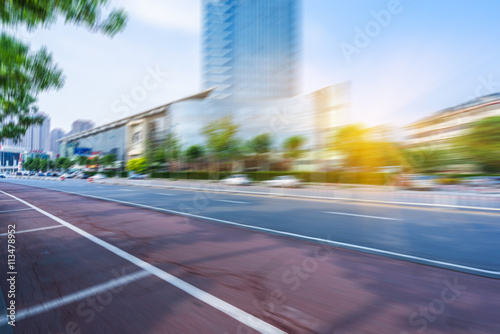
<point>55,135</point>
<point>439,128</point>
<point>251,48</point>
<point>125,138</point>
<point>81,125</point>
<point>37,137</point>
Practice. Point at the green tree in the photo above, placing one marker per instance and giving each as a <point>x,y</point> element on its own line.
<point>108,160</point>
<point>194,152</point>
<point>221,138</point>
<point>293,147</point>
<point>138,165</point>
<point>36,164</point>
<point>361,149</point>
<point>482,143</point>
<point>171,146</point>
<point>64,163</point>
<point>27,165</point>
<point>44,165</point>
<point>82,160</point>
<point>24,74</point>
<point>260,144</point>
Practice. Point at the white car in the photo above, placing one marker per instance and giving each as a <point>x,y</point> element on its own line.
<point>287,181</point>
<point>99,177</point>
<point>237,180</point>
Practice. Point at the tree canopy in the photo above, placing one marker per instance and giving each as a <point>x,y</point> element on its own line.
<point>293,146</point>
<point>482,143</point>
<point>260,144</point>
<point>221,138</point>
<point>25,73</point>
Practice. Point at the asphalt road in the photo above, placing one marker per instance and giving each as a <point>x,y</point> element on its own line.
<point>455,239</point>
<point>85,265</point>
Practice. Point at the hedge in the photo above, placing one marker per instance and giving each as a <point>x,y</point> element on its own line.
<point>317,177</point>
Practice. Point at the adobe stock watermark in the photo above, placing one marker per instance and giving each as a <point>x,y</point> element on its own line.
<point>88,308</point>
<point>153,79</point>
<point>421,318</point>
<point>487,85</point>
<point>363,36</point>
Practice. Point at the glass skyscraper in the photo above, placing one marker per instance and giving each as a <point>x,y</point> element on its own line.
<point>251,48</point>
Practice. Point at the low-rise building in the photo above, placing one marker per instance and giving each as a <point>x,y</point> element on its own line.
<point>439,128</point>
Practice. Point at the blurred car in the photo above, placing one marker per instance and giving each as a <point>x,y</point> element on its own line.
<point>19,174</point>
<point>283,181</point>
<point>237,180</point>
<point>416,182</point>
<point>2,176</point>
<point>138,177</point>
<point>483,182</point>
<point>99,177</point>
<point>41,174</point>
<point>81,176</point>
<point>25,173</point>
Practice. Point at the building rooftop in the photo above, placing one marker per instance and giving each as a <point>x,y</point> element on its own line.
<point>123,121</point>
<point>472,104</point>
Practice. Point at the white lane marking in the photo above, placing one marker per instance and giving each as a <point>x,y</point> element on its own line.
<point>166,194</point>
<point>363,216</point>
<point>7,200</point>
<point>74,297</point>
<point>127,190</point>
<point>35,229</point>
<point>232,311</point>
<point>228,201</point>
<point>16,210</point>
<point>300,236</point>
<point>283,195</point>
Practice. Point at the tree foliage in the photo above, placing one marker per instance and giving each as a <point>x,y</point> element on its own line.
<point>138,165</point>
<point>482,143</point>
<point>64,163</point>
<point>24,73</point>
<point>260,144</point>
<point>362,150</point>
<point>221,138</point>
<point>108,160</point>
<point>194,152</point>
<point>293,146</point>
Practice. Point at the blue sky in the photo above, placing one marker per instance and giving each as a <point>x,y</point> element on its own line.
<point>421,57</point>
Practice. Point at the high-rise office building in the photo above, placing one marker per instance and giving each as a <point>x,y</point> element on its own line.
<point>81,125</point>
<point>37,136</point>
<point>251,48</point>
<point>55,135</point>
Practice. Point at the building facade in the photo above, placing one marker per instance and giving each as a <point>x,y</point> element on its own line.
<point>55,135</point>
<point>81,125</point>
<point>251,48</point>
<point>126,138</point>
<point>438,129</point>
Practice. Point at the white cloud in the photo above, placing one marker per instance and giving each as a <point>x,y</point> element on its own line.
<point>184,15</point>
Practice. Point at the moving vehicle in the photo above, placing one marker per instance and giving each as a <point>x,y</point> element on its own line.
<point>138,177</point>
<point>237,180</point>
<point>99,177</point>
<point>81,176</point>
<point>2,176</point>
<point>287,181</point>
<point>416,182</point>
